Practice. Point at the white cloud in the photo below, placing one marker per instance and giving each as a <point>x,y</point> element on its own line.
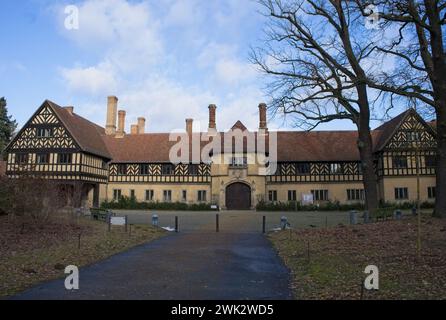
<point>91,80</point>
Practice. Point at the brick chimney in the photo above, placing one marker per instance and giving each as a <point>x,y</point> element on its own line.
<point>70,109</point>
<point>189,125</point>
<point>134,129</point>
<point>262,116</point>
<point>141,125</point>
<point>112,108</point>
<point>121,123</point>
<point>212,115</point>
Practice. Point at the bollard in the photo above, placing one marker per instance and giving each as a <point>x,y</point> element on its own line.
<point>109,222</point>
<point>283,222</point>
<point>217,222</point>
<point>353,216</point>
<point>176,224</point>
<point>414,211</point>
<point>155,220</point>
<point>264,225</point>
<point>397,214</point>
<point>126,223</point>
<point>366,217</point>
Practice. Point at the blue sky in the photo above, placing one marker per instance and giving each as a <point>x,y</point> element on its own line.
<point>166,60</point>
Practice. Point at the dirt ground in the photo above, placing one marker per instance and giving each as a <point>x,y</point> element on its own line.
<point>31,253</point>
<point>329,263</point>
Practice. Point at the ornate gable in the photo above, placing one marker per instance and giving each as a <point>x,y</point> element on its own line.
<point>412,132</point>
<point>57,136</point>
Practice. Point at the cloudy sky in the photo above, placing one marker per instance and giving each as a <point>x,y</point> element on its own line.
<point>166,60</point>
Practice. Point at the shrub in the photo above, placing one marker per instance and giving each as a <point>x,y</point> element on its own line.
<point>126,203</point>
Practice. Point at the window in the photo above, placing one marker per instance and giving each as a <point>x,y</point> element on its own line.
<point>239,161</point>
<point>43,158</point>
<point>292,195</point>
<point>132,194</point>
<point>193,170</point>
<point>167,169</point>
<point>184,195</point>
<point>303,168</point>
<point>355,194</point>
<point>44,132</point>
<point>401,193</point>
<point>144,169</point>
<point>65,158</point>
<point>122,169</point>
<point>399,162</point>
<point>202,195</point>
<point>150,194</point>
<point>272,195</point>
<point>335,168</point>
<point>117,193</point>
<point>320,195</point>
<point>167,195</point>
<point>413,136</point>
<point>21,158</point>
<point>430,161</point>
<point>104,165</point>
<point>431,192</point>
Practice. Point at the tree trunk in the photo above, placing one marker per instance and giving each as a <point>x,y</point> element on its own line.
<point>368,169</point>
<point>365,146</point>
<point>440,201</point>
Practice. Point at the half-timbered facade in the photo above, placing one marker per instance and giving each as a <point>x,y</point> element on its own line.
<point>108,163</point>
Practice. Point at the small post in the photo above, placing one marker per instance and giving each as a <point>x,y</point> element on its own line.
<point>109,222</point>
<point>176,224</point>
<point>264,225</point>
<point>126,222</point>
<point>398,214</point>
<point>79,242</point>
<point>130,230</point>
<point>217,222</point>
<point>353,214</point>
<point>366,217</point>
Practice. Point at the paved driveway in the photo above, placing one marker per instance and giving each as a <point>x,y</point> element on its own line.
<point>197,263</point>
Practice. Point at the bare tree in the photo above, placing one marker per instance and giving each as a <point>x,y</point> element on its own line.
<point>419,75</point>
<point>316,53</point>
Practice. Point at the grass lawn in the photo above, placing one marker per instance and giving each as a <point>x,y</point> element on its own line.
<point>30,254</point>
<point>333,267</point>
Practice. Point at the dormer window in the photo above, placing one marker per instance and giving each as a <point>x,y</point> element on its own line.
<point>239,161</point>
<point>44,132</point>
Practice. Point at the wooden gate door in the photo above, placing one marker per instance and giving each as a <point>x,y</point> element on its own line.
<point>238,196</point>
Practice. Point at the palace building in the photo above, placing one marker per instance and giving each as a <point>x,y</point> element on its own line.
<point>106,163</point>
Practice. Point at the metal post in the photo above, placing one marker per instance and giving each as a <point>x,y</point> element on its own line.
<point>264,225</point>
<point>353,214</point>
<point>366,217</point>
<point>176,224</point>
<point>126,222</point>
<point>79,242</point>
<point>217,223</point>
<point>109,222</point>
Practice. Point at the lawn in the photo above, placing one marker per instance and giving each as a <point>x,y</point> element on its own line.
<point>329,263</point>
<point>31,253</point>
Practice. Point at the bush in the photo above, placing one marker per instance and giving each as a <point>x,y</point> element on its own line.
<point>126,203</point>
<point>297,206</point>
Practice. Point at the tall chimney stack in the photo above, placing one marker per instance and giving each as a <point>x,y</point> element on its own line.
<point>121,123</point>
<point>262,116</point>
<point>141,125</point>
<point>212,115</point>
<point>189,125</point>
<point>112,109</point>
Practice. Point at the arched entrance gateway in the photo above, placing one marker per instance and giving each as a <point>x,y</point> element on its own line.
<point>238,196</point>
